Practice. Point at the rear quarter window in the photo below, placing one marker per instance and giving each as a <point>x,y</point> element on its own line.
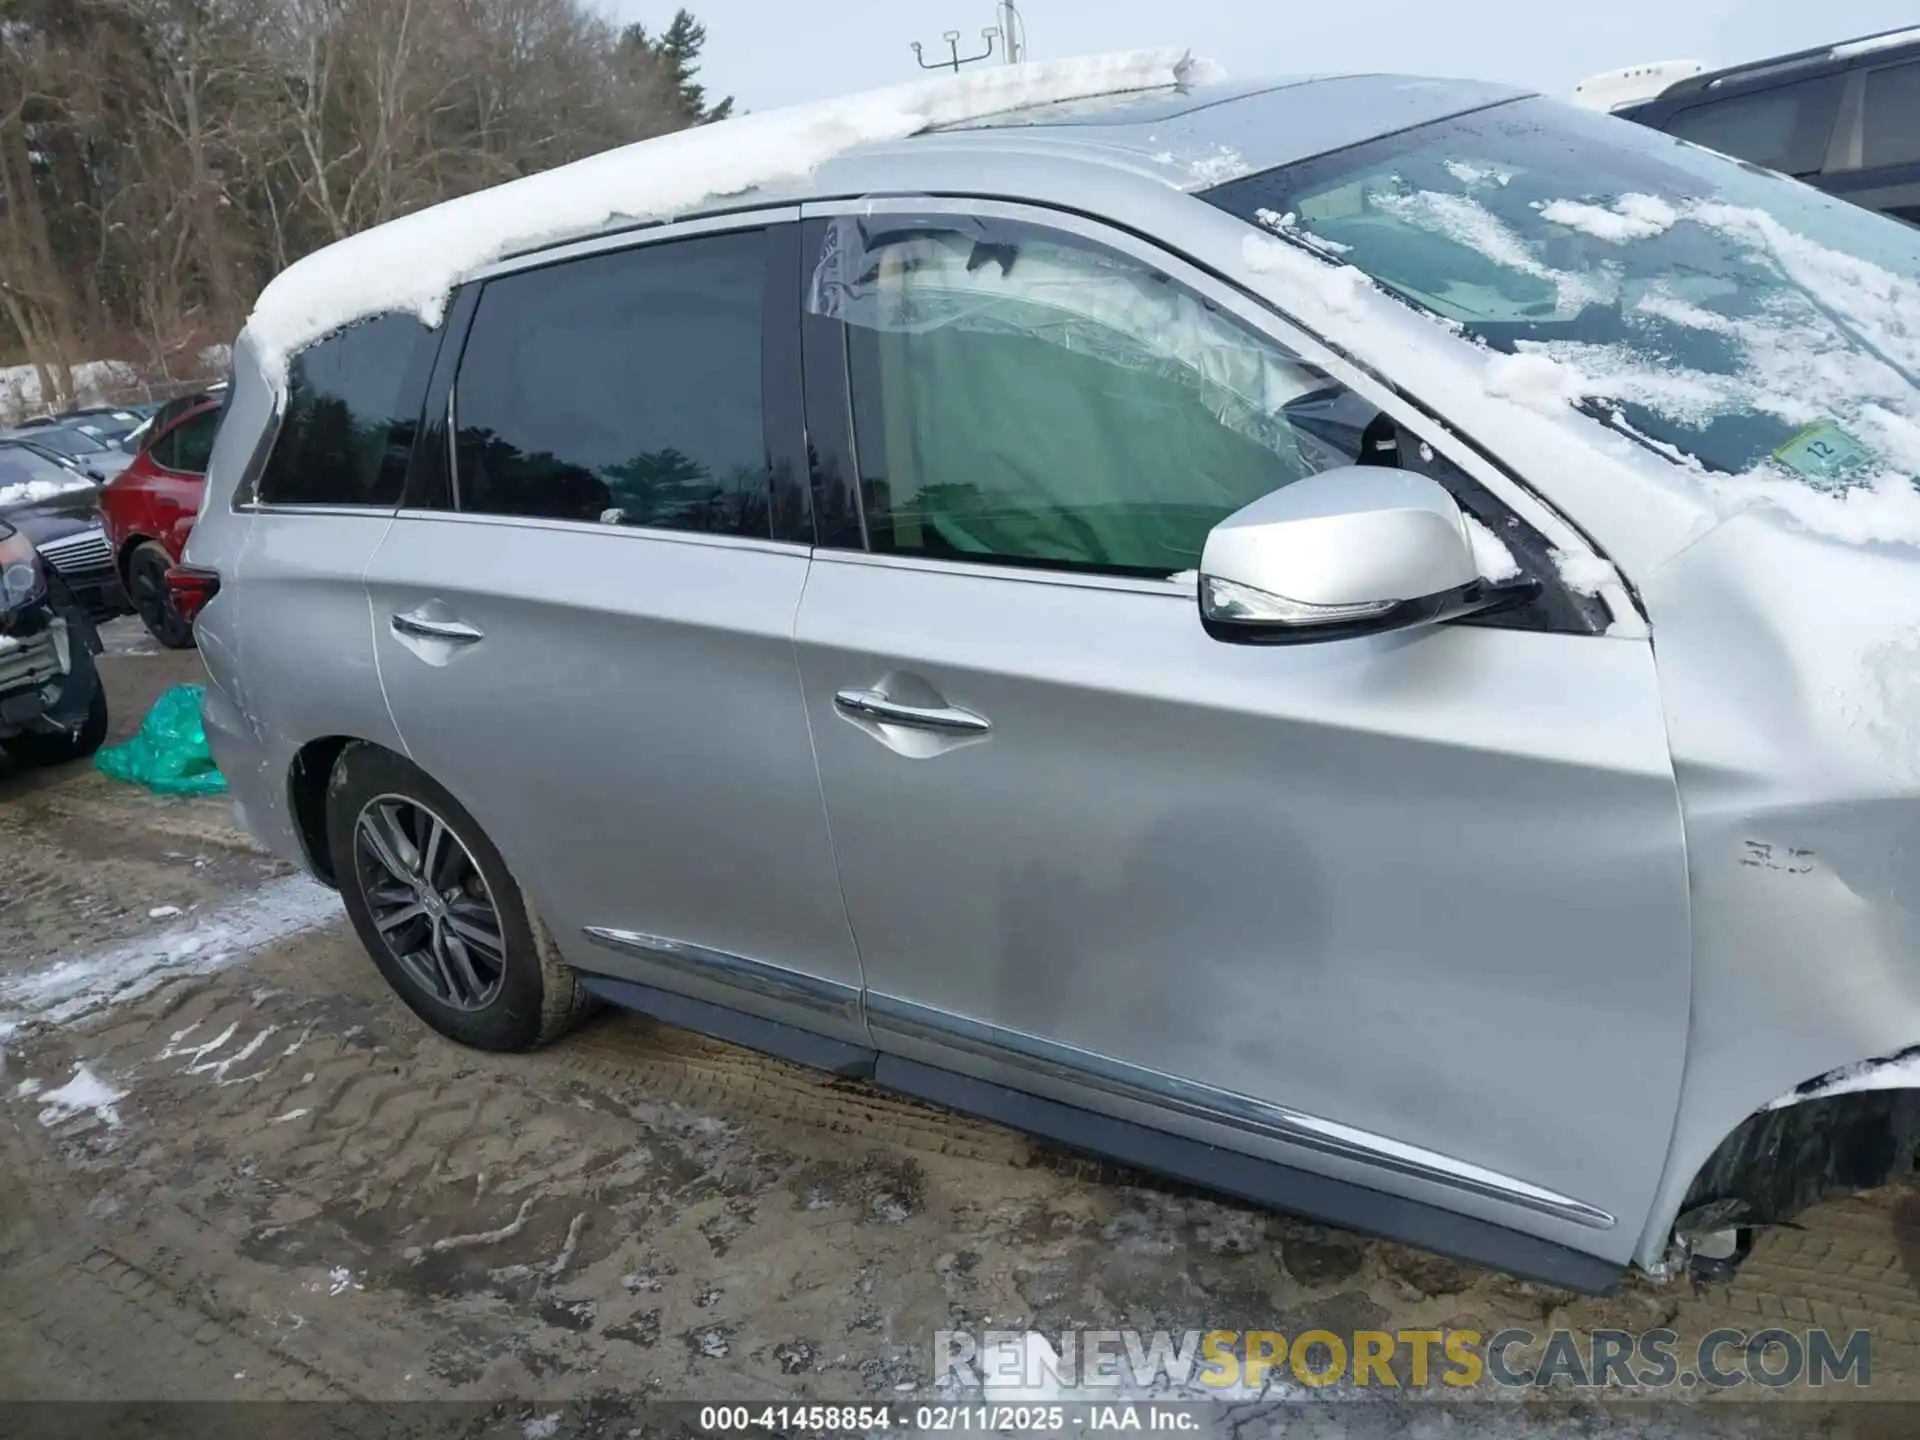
<point>352,407</point>
<point>1784,127</point>
<point>1892,118</point>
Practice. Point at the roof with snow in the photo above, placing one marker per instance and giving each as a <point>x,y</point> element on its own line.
<point>1161,112</point>
<point>413,263</point>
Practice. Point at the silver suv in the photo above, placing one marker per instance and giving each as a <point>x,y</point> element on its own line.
<point>1353,640</point>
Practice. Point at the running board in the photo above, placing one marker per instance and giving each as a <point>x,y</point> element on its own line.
<point>1247,1177</point>
<point>1264,1182</point>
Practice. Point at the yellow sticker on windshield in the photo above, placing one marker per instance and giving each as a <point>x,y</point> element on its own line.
<point>1823,452</point>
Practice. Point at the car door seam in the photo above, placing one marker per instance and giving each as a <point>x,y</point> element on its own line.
<point>373,634</point>
<point>820,783</point>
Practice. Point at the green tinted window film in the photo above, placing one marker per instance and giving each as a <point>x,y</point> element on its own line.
<point>1021,398</point>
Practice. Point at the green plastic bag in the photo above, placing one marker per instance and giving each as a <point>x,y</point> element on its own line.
<point>169,756</point>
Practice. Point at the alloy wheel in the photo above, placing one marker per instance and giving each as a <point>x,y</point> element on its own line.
<point>430,904</point>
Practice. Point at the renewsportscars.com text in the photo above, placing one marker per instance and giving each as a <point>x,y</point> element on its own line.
<point>1246,1362</point>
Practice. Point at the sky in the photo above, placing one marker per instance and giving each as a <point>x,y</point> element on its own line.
<point>775,52</point>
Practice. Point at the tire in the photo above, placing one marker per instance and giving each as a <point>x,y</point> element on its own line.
<point>531,997</point>
<point>38,748</point>
<point>147,590</point>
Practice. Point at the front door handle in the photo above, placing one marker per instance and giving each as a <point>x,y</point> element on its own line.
<point>872,705</point>
<point>424,627</point>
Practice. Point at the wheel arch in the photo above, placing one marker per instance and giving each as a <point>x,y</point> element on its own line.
<point>307,776</point>
<point>1835,1134</point>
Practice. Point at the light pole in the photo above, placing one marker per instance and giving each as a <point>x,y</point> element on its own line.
<point>1014,28</point>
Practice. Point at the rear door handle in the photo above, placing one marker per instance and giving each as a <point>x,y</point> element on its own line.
<point>422,627</point>
<point>872,705</point>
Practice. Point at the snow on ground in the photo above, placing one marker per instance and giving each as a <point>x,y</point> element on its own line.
<point>78,986</point>
<point>84,1094</point>
<point>413,263</point>
<point>21,396</point>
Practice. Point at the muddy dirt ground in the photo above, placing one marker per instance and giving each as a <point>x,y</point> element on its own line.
<point>235,1167</point>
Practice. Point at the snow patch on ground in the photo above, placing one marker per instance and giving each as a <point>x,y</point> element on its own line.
<point>413,263</point>
<point>72,988</point>
<point>22,396</point>
<point>84,1094</point>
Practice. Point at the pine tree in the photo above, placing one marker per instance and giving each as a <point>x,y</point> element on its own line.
<point>678,50</point>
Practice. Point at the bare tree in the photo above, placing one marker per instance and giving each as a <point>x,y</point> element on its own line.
<point>161,159</point>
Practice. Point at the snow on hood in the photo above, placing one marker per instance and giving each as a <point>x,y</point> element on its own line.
<point>413,263</point>
<point>29,492</point>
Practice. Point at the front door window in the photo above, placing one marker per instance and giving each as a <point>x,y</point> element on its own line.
<point>1022,397</point>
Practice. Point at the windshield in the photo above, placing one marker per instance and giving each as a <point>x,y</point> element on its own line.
<point>70,443</point>
<point>1717,312</point>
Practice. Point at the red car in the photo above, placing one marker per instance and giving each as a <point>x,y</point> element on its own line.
<point>149,508</point>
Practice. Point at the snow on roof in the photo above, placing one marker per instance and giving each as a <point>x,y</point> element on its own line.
<point>412,264</point>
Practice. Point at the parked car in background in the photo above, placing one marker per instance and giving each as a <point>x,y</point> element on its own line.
<point>1843,117</point>
<point>56,507</point>
<point>108,424</point>
<point>148,510</point>
<point>53,707</point>
<point>1190,612</point>
<point>97,458</point>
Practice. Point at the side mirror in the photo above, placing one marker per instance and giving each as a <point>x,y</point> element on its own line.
<point>1359,550</point>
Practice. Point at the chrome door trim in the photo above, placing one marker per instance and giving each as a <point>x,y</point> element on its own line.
<point>886,1013</point>
<point>701,962</point>
<point>364,512</point>
<point>1169,587</point>
<point>596,527</point>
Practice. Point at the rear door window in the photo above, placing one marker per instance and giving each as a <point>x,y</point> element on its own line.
<point>1892,118</point>
<point>621,389</point>
<point>1784,128</point>
<point>353,403</point>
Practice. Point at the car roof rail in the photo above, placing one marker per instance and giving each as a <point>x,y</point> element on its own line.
<point>1809,59</point>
